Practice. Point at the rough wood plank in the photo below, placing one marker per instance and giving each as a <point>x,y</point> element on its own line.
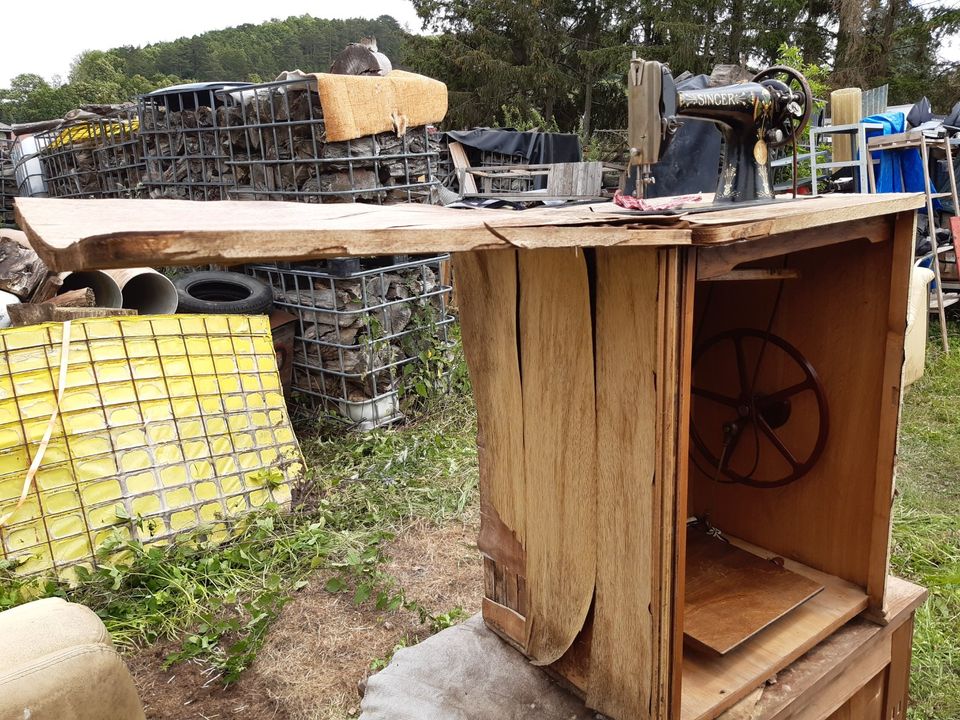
<point>488,317</point>
<point>627,319</point>
<point>559,447</point>
<point>82,234</point>
<point>458,154</point>
<point>763,221</point>
<point>81,297</point>
<point>712,683</point>
<point>27,314</point>
<point>732,595</point>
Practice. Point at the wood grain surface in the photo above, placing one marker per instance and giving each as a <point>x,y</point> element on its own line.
<point>82,234</point>
<point>627,365</point>
<point>732,595</point>
<point>559,430</point>
<point>712,683</point>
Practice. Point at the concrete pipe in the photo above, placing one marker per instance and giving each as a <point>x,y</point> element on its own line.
<point>105,288</point>
<point>146,291</point>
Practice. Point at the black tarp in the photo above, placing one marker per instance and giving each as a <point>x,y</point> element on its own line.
<point>536,148</point>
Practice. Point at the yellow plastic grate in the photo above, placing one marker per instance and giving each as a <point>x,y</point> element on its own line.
<point>167,423</point>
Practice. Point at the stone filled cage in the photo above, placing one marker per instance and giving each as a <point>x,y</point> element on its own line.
<point>8,182</point>
<point>181,143</point>
<point>275,139</point>
<point>370,332</point>
<point>94,157</point>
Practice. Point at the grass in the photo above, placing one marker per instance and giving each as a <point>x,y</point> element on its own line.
<point>926,529</point>
<point>217,602</point>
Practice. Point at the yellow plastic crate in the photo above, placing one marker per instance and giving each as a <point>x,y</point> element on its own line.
<point>167,423</point>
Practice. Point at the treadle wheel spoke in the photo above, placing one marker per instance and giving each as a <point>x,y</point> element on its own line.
<point>777,443</point>
<point>714,396</point>
<point>788,392</point>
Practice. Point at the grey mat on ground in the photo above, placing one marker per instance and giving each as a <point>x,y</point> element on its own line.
<point>466,672</point>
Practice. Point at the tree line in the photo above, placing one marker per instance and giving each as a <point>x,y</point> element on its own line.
<point>553,63</point>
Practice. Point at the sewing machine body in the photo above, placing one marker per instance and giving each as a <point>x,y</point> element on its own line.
<point>753,116</point>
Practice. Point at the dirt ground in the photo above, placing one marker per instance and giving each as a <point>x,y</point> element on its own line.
<point>322,645</point>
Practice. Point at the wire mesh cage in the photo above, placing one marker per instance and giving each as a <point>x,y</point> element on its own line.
<point>369,333</point>
<point>94,156</point>
<point>8,183</point>
<point>181,143</point>
<point>119,156</point>
<point>511,185</point>
<point>277,148</point>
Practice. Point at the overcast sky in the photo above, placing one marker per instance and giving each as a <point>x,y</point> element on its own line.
<point>45,38</point>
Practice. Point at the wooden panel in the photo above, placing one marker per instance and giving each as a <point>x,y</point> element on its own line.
<point>898,677</point>
<point>834,669</point>
<point>890,398</point>
<point>867,704</point>
<point>712,683</point>
<point>677,296</point>
<point>716,261</point>
<point>622,667</point>
<point>837,316</point>
<point>556,356</point>
<point>488,318</point>
<point>731,595</point>
<point>843,689</point>
<point>79,234</point>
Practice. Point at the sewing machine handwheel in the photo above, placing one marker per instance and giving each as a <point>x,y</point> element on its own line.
<point>793,80</point>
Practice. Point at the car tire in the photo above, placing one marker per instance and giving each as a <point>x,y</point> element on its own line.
<point>218,293</point>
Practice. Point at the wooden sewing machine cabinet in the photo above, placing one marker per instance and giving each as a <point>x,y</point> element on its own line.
<point>621,366</point>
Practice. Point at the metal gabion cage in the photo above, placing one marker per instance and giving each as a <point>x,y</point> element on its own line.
<point>365,331</point>
<point>181,144</point>
<point>119,156</point>
<point>511,185</point>
<point>98,157</point>
<point>8,183</point>
<point>275,139</point>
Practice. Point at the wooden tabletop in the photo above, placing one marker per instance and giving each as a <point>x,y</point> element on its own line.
<point>87,234</point>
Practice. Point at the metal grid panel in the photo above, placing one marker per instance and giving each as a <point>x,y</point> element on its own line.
<point>360,332</point>
<point>68,160</point>
<point>275,137</point>
<point>166,423</point>
<point>181,145</point>
<point>119,157</point>
<point>8,183</point>
<point>504,185</point>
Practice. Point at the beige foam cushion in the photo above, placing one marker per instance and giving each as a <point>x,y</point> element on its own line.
<point>57,663</point>
<point>358,105</point>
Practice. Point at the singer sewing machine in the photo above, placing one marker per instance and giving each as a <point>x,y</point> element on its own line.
<point>769,111</point>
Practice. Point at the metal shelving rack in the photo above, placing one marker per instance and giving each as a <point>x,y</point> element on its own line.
<point>916,139</point>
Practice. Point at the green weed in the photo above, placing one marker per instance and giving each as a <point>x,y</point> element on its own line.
<point>926,528</point>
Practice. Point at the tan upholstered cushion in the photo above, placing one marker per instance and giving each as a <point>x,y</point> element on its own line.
<point>57,663</point>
